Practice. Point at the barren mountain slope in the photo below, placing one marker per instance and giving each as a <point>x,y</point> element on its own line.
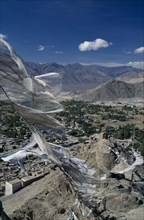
<point>132,77</point>
<point>114,90</point>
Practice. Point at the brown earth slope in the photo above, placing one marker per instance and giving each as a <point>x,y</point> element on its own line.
<point>118,195</point>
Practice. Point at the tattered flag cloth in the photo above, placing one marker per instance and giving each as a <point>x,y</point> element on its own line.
<point>33,98</point>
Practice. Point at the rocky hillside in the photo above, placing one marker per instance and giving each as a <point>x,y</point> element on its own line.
<point>132,78</point>
<point>119,187</point>
<point>114,90</point>
<point>81,77</point>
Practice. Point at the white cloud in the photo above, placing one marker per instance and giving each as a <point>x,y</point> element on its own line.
<point>94,45</point>
<point>59,52</point>
<point>128,52</point>
<point>3,36</point>
<point>139,50</point>
<point>104,64</point>
<point>41,47</point>
<point>137,64</point>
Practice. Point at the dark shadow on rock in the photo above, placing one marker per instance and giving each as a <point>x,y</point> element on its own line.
<point>138,187</point>
<point>118,176</point>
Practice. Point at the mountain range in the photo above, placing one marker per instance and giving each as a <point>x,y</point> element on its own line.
<point>81,77</point>
<point>93,82</point>
<point>114,90</point>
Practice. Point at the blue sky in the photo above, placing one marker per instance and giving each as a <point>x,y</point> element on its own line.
<point>53,30</point>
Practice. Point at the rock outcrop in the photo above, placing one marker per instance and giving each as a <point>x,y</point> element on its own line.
<point>119,187</point>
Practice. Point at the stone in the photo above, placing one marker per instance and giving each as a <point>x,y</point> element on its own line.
<point>29,179</point>
<point>3,215</point>
<point>12,186</point>
<point>136,214</point>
